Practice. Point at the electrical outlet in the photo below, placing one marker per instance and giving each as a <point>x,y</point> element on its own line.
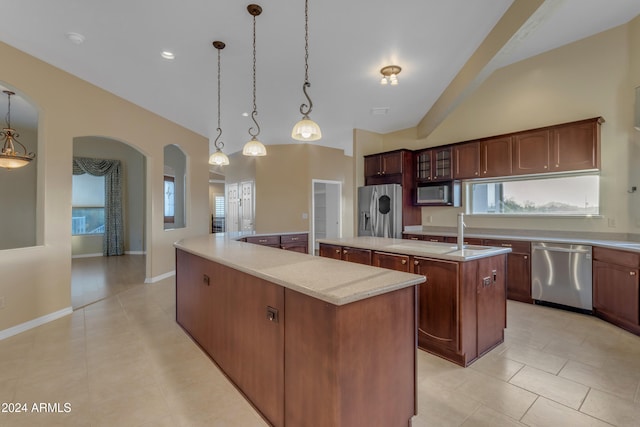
<point>1,302</point>
<point>611,222</point>
<point>429,219</point>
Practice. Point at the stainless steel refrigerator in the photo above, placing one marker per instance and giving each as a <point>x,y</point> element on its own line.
<point>380,210</point>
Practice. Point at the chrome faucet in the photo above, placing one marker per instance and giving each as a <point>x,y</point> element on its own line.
<point>461,226</point>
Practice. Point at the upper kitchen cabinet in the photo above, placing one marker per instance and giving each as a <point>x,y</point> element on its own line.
<point>531,152</point>
<point>466,160</point>
<point>496,157</point>
<point>434,165</point>
<point>562,148</point>
<point>385,168</point>
<point>576,146</point>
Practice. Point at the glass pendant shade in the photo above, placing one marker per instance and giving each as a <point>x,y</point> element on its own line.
<point>219,158</point>
<point>306,130</point>
<point>254,148</point>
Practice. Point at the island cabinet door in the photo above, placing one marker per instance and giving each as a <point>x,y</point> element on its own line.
<point>391,261</point>
<point>491,302</point>
<point>192,288</point>
<point>330,251</point>
<point>357,255</point>
<point>437,306</point>
<point>349,365</point>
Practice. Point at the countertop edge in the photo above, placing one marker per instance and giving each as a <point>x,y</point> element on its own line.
<point>394,280</point>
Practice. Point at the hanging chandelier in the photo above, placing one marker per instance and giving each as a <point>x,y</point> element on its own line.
<point>9,157</point>
<point>306,129</point>
<point>218,158</point>
<point>254,147</point>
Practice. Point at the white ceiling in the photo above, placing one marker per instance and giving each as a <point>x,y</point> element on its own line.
<point>350,40</point>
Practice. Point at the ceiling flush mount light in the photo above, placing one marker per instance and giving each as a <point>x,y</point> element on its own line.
<point>306,129</point>
<point>254,147</point>
<point>9,157</point>
<point>218,158</point>
<point>390,75</point>
<point>168,55</point>
<point>75,38</point>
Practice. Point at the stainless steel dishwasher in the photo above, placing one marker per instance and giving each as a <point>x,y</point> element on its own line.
<point>561,275</point>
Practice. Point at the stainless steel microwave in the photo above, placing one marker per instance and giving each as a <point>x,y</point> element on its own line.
<point>446,193</point>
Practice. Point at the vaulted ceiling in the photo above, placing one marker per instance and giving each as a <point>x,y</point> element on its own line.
<point>349,41</point>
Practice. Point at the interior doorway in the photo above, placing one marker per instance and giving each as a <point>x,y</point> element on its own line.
<point>326,211</point>
<point>240,206</point>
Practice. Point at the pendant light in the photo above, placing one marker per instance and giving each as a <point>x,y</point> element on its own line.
<point>9,157</point>
<point>254,147</point>
<point>218,158</point>
<point>306,129</point>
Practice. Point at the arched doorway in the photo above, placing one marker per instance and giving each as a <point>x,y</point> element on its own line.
<point>95,276</point>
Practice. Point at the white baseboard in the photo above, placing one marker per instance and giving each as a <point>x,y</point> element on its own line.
<point>160,277</point>
<point>15,330</point>
<point>135,253</point>
<point>87,255</point>
<point>100,254</point>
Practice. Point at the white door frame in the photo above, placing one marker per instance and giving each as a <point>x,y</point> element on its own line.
<point>312,239</point>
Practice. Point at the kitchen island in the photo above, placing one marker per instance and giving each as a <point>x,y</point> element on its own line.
<point>462,304</point>
<point>308,340</point>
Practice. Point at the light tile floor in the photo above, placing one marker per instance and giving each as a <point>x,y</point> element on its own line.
<point>123,361</point>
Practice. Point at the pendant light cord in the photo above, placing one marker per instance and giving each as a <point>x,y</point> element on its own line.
<point>304,108</point>
<point>219,145</point>
<point>255,108</point>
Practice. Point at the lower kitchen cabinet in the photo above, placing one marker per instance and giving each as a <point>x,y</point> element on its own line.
<point>345,253</point>
<point>462,307</point>
<point>616,288</point>
<point>391,261</point>
<point>518,268</point>
<point>225,312</point>
<point>291,242</point>
<point>295,242</point>
<point>438,305</point>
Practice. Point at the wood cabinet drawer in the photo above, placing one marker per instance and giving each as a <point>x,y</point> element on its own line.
<point>614,256</point>
<point>264,240</point>
<point>293,238</point>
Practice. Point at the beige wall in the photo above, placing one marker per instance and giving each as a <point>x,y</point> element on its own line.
<point>283,184</point>
<point>36,280</point>
<point>588,78</point>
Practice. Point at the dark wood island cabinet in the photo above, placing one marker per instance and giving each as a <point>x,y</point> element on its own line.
<point>461,305</point>
<point>307,340</point>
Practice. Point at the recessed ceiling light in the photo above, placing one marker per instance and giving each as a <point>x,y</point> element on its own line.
<point>167,55</point>
<point>75,38</point>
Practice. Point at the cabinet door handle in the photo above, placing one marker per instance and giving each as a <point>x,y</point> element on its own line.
<point>337,251</point>
<point>344,251</point>
<point>262,240</point>
<point>413,238</point>
<point>506,245</point>
<point>526,257</point>
<point>434,240</point>
<point>404,261</point>
<point>632,273</point>
<point>294,239</point>
<point>416,262</point>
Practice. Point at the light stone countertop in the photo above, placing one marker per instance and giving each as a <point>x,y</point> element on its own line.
<point>444,251</point>
<point>329,280</point>
<point>615,241</point>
